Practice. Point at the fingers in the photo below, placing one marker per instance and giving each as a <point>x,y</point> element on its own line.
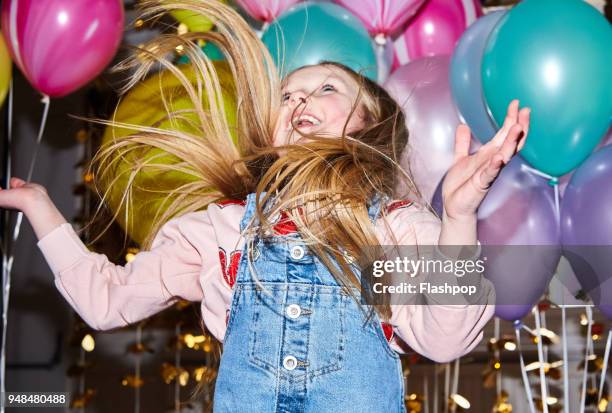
<point>462,141</point>
<point>510,145</point>
<point>487,173</point>
<point>524,121</point>
<point>16,182</point>
<point>511,119</point>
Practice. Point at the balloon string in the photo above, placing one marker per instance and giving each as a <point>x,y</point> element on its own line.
<point>604,369</point>
<point>586,359</point>
<point>517,332</point>
<point>384,67</point>
<point>552,181</point>
<point>543,392</point>
<point>455,388</point>
<point>565,361</point>
<point>43,122</point>
<point>436,390</point>
<point>6,275</point>
<point>137,370</point>
<point>177,366</point>
<point>446,386</point>
<point>262,30</point>
<point>498,379</point>
<point>426,394</point>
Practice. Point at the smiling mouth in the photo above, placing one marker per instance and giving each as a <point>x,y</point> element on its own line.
<point>304,121</point>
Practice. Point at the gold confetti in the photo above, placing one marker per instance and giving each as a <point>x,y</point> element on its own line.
<point>204,374</point>
<point>502,405</point>
<point>131,254</point>
<point>80,401</point>
<point>414,403</point>
<point>138,348</point>
<point>132,381</point>
<point>82,135</point>
<point>88,343</point>
<point>171,373</point>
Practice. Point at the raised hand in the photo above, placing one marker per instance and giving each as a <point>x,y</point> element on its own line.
<point>471,176</point>
<point>32,199</point>
<point>21,194</point>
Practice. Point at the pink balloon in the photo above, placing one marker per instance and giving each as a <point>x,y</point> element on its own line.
<point>435,29</point>
<point>422,89</point>
<point>60,45</point>
<point>382,17</point>
<point>266,10</point>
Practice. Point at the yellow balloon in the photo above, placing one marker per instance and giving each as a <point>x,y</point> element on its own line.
<point>5,70</point>
<point>144,106</point>
<point>195,22</point>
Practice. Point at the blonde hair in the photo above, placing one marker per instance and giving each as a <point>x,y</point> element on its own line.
<point>324,185</point>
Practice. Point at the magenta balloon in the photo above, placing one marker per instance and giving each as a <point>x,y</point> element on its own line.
<point>435,29</point>
<point>422,88</point>
<point>60,45</point>
<point>266,10</point>
<point>518,230</point>
<point>382,16</point>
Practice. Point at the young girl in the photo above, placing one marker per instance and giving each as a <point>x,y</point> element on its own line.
<point>304,195</point>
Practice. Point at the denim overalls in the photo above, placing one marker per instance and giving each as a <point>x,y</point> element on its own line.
<point>305,348</point>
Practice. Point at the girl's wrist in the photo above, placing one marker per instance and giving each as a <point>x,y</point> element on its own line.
<point>42,214</point>
<point>459,230</point>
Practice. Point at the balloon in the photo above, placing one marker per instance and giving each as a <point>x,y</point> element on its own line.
<point>209,49</point>
<point>559,67</point>
<point>266,10</point>
<point>422,89</point>
<point>382,17</point>
<point>194,21</point>
<point>313,32</point>
<point>5,70</point>
<point>435,29</point>
<point>586,227</point>
<point>565,179</point>
<point>143,105</point>
<point>465,77</point>
<point>518,230</point>
<point>60,45</point>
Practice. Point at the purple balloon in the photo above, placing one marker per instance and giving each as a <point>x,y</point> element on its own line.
<point>518,230</point>
<point>422,89</point>
<point>60,45</point>
<point>586,227</point>
<point>565,179</point>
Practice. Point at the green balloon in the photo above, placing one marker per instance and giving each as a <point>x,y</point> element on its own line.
<point>209,49</point>
<point>555,57</point>
<point>310,33</point>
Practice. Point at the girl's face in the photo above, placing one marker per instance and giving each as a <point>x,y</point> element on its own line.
<point>324,97</point>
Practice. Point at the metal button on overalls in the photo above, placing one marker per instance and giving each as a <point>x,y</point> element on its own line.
<point>297,252</point>
<point>289,362</point>
<point>277,359</point>
<point>294,311</point>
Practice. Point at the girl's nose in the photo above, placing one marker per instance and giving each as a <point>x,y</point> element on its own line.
<point>297,98</point>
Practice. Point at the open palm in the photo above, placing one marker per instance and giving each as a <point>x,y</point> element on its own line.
<point>469,179</point>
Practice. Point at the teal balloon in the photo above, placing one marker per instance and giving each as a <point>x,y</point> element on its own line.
<point>209,49</point>
<point>310,33</point>
<point>555,57</point>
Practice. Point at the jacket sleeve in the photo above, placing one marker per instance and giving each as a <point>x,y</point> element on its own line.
<point>439,331</point>
<point>106,295</point>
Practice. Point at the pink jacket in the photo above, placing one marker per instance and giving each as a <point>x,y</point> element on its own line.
<point>195,257</point>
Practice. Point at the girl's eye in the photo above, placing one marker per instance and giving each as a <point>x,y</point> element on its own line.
<point>285,97</point>
<point>328,88</point>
